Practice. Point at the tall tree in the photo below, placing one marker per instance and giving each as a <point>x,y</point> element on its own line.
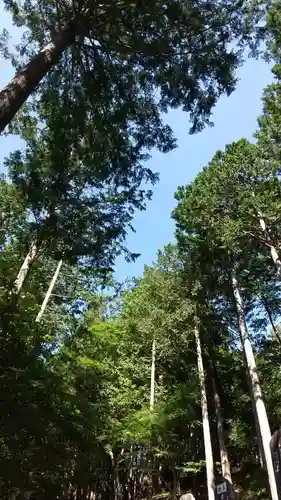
<point>255,387</point>
<point>225,462</point>
<point>213,235</point>
<point>152,374</point>
<point>205,417</point>
<point>74,212</point>
<point>213,323</point>
<point>130,49</point>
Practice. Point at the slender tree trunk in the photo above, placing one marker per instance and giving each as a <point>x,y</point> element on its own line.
<point>225,463</point>
<point>257,425</point>
<point>22,274</point>
<point>255,383</point>
<point>49,292</point>
<point>268,311</point>
<point>115,476</point>
<point>152,375</point>
<point>131,475</point>
<point>205,418</point>
<point>14,95</point>
<point>175,485</point>
<point>274,253</point>
<point>150,455</point>
<point>131,462</point>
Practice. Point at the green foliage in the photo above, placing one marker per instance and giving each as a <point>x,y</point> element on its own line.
<point>120,56</point>
<point>75,387</point>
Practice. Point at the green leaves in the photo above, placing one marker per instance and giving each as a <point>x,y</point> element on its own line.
<point>133,63</point>
<point>76,388</point>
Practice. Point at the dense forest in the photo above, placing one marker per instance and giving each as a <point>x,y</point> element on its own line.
<point>168,383</point>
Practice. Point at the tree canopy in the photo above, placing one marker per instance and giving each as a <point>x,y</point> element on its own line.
<point>168,383</point>
<point>130,61</point>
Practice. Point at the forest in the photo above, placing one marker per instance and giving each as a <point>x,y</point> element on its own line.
<point>170,382</point>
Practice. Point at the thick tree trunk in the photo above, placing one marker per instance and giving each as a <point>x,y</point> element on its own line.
<point>49,292</point>
<point>205,418</point>
<point>255,385</point>
<point>22,274</point>
<point>274,253</point>
<point>14,95</point>
<point>152,375</point>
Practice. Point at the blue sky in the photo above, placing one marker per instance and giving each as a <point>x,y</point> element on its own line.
<point>234,117</point>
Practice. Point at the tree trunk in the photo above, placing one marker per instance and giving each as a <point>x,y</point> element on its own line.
<point>150,455</point>
<point>49,292</point>
<point>268,311</point>
<point>205,418</point>
<point>32,253</point>
<point>115,478</point>
<point>225,464</point>
<point>14,95</point>
<point>131,475</point>
<point>255,384</point>
<point>257,425</point>
<point>152,375</point>
<point>273,250</point>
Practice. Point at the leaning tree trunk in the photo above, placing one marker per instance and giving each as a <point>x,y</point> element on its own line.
<point>49,292</point>
<point>14,95</point>
<point>269,314</point>
<point>22,274</point>
<point>225,463</point>
<point>256,388</point>
<point>205,418</point>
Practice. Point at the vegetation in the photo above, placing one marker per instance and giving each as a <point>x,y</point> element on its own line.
<point>169,383</point>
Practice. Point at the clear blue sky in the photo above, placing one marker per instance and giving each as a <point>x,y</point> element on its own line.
<point>234,117</point>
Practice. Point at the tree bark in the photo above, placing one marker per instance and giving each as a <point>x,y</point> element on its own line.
<point>116,484</point>
<point>274,253</point>
<point>205,418</point>
<point>150,456</point>
<point>49,292</point>
<point>22,274</point>
<point>255,385</point>
<point>131,475</point>
<point>268,311</point>
<point>225,463</point>
<point>152,375</point>
<point>257,425</point>
<point>14,95</point>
